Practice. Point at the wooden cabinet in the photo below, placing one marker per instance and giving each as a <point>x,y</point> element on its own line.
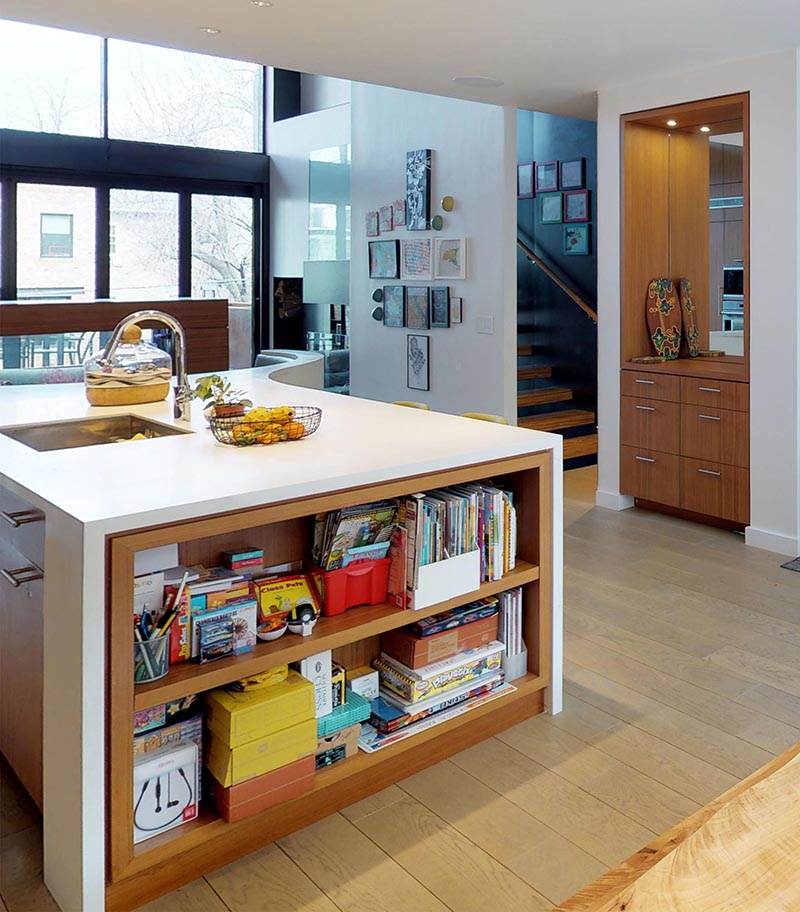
<point>138,873</point>
<point>691,453</point>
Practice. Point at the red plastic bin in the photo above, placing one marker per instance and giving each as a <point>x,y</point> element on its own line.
<point>360,583</point>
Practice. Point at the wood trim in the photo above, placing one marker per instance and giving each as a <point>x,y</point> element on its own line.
<point>701,368</point>
<point>689,107</point>
<point>715,521</point>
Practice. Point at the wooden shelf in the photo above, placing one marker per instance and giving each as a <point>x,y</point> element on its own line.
<point>730,368</point>
<point>330,632</point>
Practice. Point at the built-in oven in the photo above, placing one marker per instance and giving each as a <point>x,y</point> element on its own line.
<point>731,303</point>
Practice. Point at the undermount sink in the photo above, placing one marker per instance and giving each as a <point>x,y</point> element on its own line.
<point>65,435</point>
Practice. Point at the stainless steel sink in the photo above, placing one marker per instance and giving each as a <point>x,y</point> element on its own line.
<point>64,435</point>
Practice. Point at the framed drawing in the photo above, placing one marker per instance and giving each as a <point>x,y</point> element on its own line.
<point>456,311</point>
<point>573,174</point>
<point>394,305</point>
<point>576,240</point>
<point>418,363</point>
<point>546,176</point>
<point>416,258</point>
<point>550,208</point>
<point>371,221</point>
<point>383,260</point>
<point>440,307</point>
<point>576,205</point>
<point>450,258</point>
<point>418,190</point>
<point>399,213</point>
<point>418,307</point>
<point>385,218</point>
<point>525,180</point>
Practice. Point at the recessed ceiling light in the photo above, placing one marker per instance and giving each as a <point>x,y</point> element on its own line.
<point>672,123</point>
<point>261,3</point>
<point>705,129</point>
<point>478,82</point>
<point>210,30</point>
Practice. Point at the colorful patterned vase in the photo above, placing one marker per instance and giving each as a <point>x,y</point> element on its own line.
<point>663,316</point>
<point>690,331</point>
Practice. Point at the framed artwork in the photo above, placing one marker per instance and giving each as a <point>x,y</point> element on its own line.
<point>371,220</point>
<point>385,218</point>
<point>418,307</point>
<point>546,176</point>
<point>399,213</point>
<point>394,305</point>
<point>456,310</point>
<point>440,308</point>
<point>450,258</point>
<point>416,258</point>
<point>573,174</point>
<point>576,205</point>
<point>383,260</point>
<point>418,190</point>
<point>550,208</point>
<point>418,361</point>
<point>525,180</point>
<point>576,240</point>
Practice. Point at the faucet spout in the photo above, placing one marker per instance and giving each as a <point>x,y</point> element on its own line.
<point>183,392</point>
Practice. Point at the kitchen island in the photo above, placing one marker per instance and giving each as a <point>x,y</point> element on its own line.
<point>103,505</point>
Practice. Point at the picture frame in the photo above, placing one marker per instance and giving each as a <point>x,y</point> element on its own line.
<point>550,208</point>
<point>546,174</point>
<point>418,309</point>
<point>418,368</point>
<point>383,260</point>
<point>572,174</point>
<point>525,180</point>
<point>576,205</point>
<point>576,240</point>
<point>416,258</point>
<point>399,213</point>
<point>450,258</point>
<point>456,310</point>
<point>440,307</point>
<point>394,305</point>
<point>385,221</point>
<point>418,190</point>
<point>371,223</point>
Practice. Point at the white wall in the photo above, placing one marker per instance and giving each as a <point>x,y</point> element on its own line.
<point>473,160</point>
<point>774,333</point>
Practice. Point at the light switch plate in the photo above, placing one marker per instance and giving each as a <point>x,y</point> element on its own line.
<point>484,324</point>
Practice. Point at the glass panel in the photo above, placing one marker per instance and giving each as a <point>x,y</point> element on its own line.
<point>168,96</point>
<point>50,80</point>
<point>144,265</point>
<point>329,204</point>
<point>55,242</point>
<point>222,264</point>
<point>55,350</point>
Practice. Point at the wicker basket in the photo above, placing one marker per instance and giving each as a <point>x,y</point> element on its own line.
<point>241,432</point>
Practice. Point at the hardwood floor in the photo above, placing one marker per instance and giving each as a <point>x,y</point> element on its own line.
<point>682,649</point>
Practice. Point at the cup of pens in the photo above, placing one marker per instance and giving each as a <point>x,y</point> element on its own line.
<point>151,634</point>
<point>150,659</point>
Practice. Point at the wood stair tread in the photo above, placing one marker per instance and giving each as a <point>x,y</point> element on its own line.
<point>534,373</point>
<point>524,350</point>
<point>546,394</point>
<point>580,446</point>
<point>554,421</point>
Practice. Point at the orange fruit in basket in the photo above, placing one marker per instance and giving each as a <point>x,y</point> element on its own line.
<point>244,433</point>
<point>294,430</point>
<point>270,433</point>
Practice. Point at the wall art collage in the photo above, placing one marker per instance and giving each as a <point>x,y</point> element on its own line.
<point>560,187</point>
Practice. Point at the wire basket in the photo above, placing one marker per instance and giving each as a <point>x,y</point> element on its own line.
<point>241,432</point>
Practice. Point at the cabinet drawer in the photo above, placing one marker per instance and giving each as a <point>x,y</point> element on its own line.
<point>716,393</point>
<point>651,424</point>
<point>717,434</point>
<point>650,475</point>
<point>715,489</point>
<point>651,386</point>
<point>22,526</point>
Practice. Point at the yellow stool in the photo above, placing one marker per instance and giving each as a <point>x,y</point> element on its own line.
<point>482,416</point>
<point>409,404</point>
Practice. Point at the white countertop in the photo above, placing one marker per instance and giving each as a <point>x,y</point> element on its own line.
<point>122,486</point>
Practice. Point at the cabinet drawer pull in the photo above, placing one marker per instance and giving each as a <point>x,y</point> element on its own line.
<point>648,382</point>
<point>709,472</point>
<point>644,459</point>
<point>708,389</point>
<point>645,408</point>
<point>21,575</point>
<point>710,417</point>
<point>21,517</point>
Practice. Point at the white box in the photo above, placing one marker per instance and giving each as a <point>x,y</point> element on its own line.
<point>364,682</point>
<point>446,579</point>
<point>165,789</point>
<point>148,593</point>
<point>318,670</point>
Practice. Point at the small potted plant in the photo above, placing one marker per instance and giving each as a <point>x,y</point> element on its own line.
<point>223,401</point>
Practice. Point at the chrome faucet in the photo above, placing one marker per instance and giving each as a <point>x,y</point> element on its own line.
<point>183,392</point>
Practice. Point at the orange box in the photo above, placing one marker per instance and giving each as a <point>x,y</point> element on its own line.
<point>414,652</point>
<point>256,795</point>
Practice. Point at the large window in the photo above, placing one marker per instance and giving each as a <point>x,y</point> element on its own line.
<point>144,265</point>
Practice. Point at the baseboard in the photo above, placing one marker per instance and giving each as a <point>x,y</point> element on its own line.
<point>772,541</point>
<point>613,500</point>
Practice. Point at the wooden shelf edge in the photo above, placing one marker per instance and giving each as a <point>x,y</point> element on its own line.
<point>209,843</point>
<point>703,368</point>
<point>369,620</point>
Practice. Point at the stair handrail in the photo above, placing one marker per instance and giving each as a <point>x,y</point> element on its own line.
<point>537,260</point>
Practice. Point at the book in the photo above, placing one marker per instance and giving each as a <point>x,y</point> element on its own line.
<point>354,527</point>
<point>474,611</point>
<point>398,553</point>
<point>215,639</point>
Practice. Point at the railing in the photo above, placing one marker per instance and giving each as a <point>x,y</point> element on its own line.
<point>537,260</point>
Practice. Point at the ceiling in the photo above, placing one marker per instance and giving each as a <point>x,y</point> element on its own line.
<point>551,56</point>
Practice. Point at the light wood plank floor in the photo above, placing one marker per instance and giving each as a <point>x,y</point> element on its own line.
<point>682,650</point>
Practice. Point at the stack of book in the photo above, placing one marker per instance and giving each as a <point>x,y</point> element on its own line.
<point>353,534</point>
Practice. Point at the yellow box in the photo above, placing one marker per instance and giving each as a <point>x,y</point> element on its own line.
<point>230,767</point>
<point>238,718</point>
